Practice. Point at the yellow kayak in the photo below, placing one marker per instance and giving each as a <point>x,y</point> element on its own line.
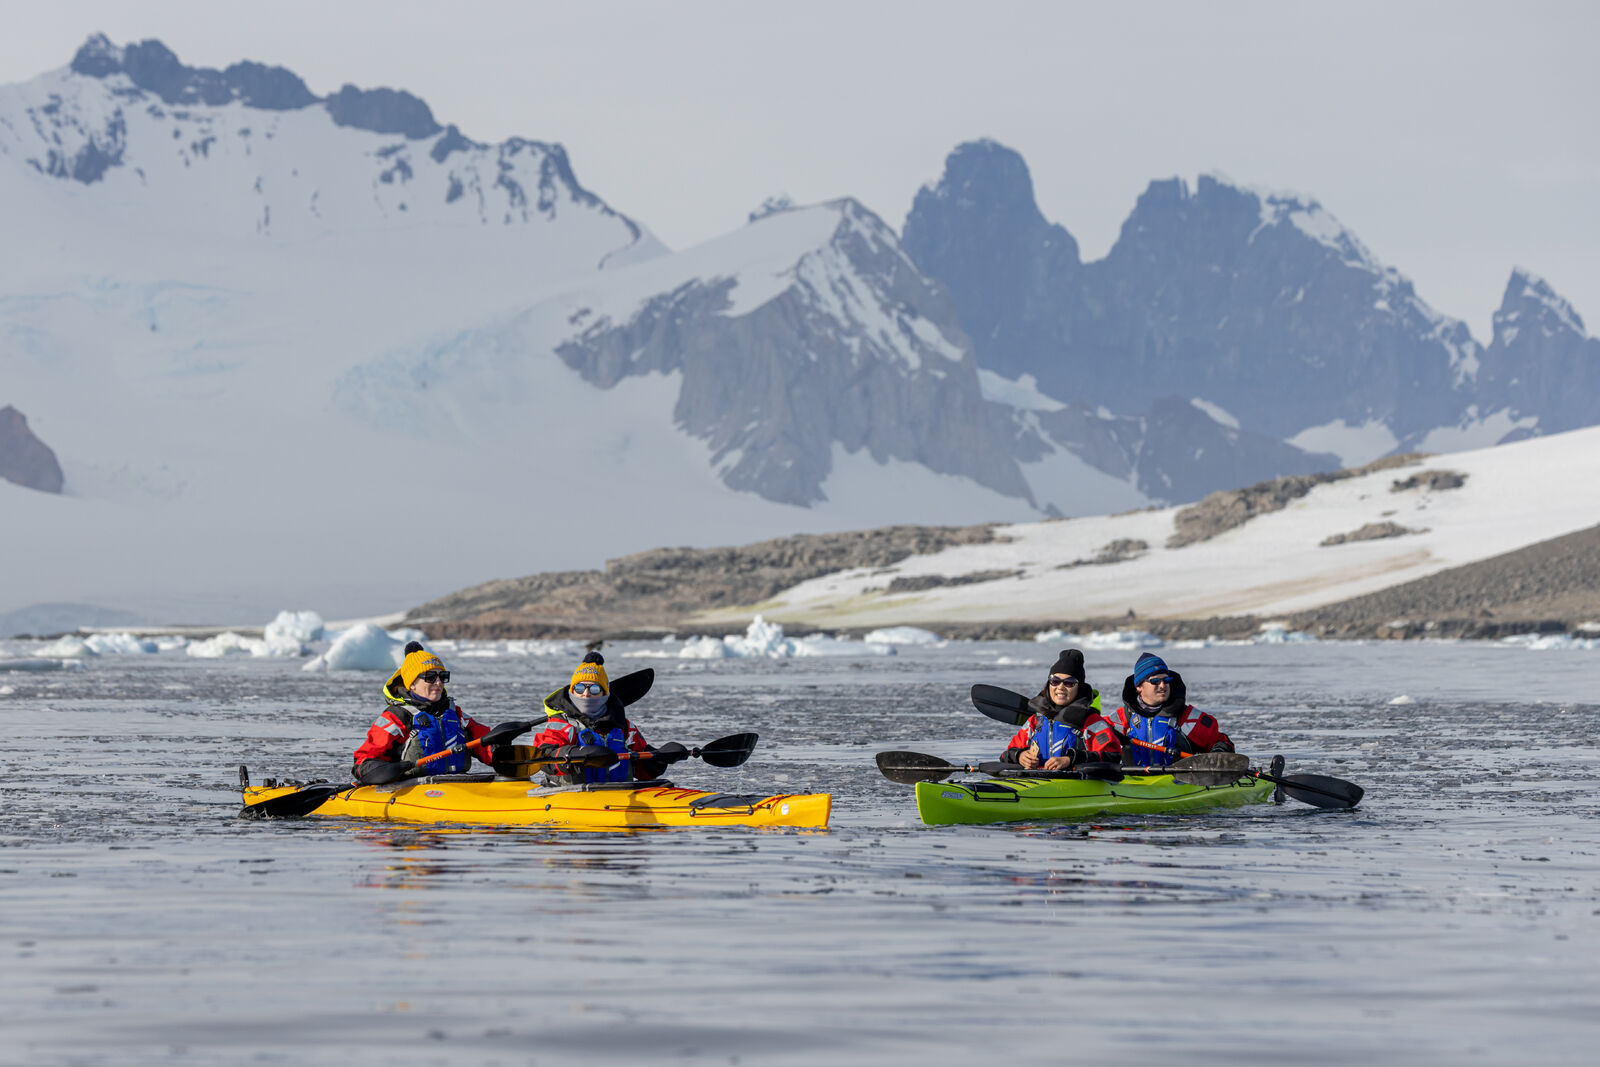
<point>495,801</point>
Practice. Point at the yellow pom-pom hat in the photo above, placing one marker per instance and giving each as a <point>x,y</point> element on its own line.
<point>592,669</point>
<point>418,662</point>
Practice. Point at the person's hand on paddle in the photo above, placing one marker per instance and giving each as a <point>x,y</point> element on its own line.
<point>1028,758</point>
<point>1058,763</point>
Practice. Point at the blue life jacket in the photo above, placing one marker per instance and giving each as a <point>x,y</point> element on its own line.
<point>1053,738</point>
<point>437,733</point>
<point>616,741</point>
<point>1156,729</point>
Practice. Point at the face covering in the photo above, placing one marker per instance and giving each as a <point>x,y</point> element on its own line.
<point>592,705</point>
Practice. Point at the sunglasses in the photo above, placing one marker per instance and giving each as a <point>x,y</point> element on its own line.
<point>1056,679</point>
<point>1158,680</point>
<point>585,688</point>
<point>431,677</point>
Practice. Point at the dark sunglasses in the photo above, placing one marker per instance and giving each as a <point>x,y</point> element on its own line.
<point>1158,680</point>
<point>434,676</point>
<point>1056,679</point>
<point>583,688</point>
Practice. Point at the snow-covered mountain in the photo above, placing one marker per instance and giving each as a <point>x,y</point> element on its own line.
<point>1257,304</point>
<point>324,351</point>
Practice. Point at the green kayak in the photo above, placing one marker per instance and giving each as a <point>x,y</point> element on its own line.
<point>1020,799</point>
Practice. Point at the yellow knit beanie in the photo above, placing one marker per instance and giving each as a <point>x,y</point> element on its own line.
<point>592,669</point>
<point>417,663</point>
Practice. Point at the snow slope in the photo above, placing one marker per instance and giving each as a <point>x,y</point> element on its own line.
<point>1514,495</point>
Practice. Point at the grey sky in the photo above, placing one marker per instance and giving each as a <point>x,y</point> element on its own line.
<point>1456,139</point>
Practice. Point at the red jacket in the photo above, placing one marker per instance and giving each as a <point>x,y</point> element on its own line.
<point>1196,730</point>
<point>387,735</point>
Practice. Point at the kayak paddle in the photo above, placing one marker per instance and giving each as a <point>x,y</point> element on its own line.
<point>1318,790</point>
<point>1002,705</point>
<point>630,687</point>
<point>724,752</point>
<point>908,768</point>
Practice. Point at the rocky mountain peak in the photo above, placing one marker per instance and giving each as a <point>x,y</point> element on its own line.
<point>155,68</point>
<point>980,232</point>
<point>1529,296</point>
<point>24,459</point>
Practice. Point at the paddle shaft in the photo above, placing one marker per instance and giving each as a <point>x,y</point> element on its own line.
<point>1292,784</point>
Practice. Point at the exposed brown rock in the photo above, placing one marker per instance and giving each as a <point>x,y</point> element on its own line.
<point>1223,511</point>
<point>657,590</point>
<point>24,459</point>
<point>1430,480</point>
<point>1372,531</point>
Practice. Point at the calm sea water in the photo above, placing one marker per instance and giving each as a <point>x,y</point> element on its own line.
<point>1454,917</point>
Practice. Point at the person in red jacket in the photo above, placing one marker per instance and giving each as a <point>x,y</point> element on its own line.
<point>419,720</point>
<point>1066,726</point>
<point>1156,723</point>
<point>585,714</point>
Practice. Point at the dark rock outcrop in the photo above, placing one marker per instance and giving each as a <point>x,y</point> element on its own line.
<point>24,459</point>
<point>155,68</point>
<point>383,111</point>
<point>1541,364</point>
<point>1259,302</point>
<point>861,351</point>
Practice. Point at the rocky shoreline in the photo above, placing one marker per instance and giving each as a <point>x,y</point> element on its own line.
<point>1547,588</point>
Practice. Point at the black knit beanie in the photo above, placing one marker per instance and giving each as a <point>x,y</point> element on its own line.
<point>1069,662</point>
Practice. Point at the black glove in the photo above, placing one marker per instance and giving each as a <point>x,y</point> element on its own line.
<point>671,752</point>
<point>381,771</point>
<point>1222,746</point>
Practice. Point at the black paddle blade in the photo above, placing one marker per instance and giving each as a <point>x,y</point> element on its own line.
<point>1002,705</point>
<point>729,751</point>
<point>1321,791</point>
<point>630,687</point>
<point>507,732</point>
<point>292,805</point>
<point>1236,762</point>
<point>909,768</point>
<point>518,761</point>
<point>591,756</point>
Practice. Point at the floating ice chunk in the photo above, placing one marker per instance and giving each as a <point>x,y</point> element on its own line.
<point>1402,699</point>
<point>765,640</point>
<point>904,635</point>
<point>537,647</point>
<point>32,663</point>
<point>1102,640</point>
<point>297,626</point>
<point>119,645</point>
<point>67,646</point>
<point>1018,661</point>
<point>363,647</point>
<point>1277,633</point>
<point>231,644</point>
<point>170,643</point>
<point>1543,642</point>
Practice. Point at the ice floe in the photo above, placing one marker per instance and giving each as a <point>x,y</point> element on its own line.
<point>765,640</point>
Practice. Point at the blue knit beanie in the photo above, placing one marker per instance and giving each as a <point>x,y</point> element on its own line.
<point>1149,663</point>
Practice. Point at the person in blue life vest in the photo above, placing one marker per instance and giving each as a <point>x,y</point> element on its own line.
<point>584,713</point>
<point>1156,723</point>
<point>419,720</point>
<point>1066,726</point>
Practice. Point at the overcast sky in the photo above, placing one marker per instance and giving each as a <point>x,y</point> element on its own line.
<point>1456,139</point>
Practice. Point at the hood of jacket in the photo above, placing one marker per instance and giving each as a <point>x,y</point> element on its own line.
<point>1073,714</point>
<point>560,703</point>
<point>1177,696</point>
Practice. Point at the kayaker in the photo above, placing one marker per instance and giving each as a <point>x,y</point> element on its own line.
<point>584,713</point>
<point>1066,726</point>
<point>1156,723</point>
<point>420,720</point>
